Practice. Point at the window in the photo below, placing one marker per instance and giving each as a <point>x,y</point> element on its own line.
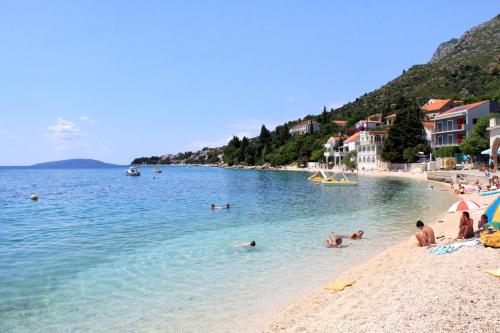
<point>450,125</point>
<point>450,139</point>
<point>440,140</point>
<point>439,126</point>
<point>474,121</point>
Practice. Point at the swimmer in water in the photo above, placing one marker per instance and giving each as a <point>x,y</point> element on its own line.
<point>249,245</point>
<point>333,243</point>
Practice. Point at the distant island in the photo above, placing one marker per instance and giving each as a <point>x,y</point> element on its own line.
<point>74,163</point>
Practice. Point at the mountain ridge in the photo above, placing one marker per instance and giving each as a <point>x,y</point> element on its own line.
<point>73,163</point>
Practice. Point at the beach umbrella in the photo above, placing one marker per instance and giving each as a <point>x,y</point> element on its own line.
<point>463,205</point>
<point>487,152</point>
<point>493,213</point>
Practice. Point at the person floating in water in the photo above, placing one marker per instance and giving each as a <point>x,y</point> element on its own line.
<point>249,245</point>
<point>226,206</point>
<point>337,242</point>
<point>354,235</point>
<point>425,236</point>
<point>357,235</point>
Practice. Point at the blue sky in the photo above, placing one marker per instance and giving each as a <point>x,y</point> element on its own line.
<point>114,80</point>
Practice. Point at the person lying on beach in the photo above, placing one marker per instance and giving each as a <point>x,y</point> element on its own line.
<point>466,228</point>
<point>425,236</point>
<point>249,245</point>
<point>333,243</point>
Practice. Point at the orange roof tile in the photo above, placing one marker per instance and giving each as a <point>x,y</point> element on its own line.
<point>462,108</point>
<point>391,116</point>
<point>340,122</point>
<point>353,138</point>
<point>436,105</point>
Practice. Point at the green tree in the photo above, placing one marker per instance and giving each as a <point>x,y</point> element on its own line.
<point>350,160</point>
<point>407,131</point>
<point>243,146</point>
<point>250,155</point>
<point>479,139</point>
<point>447,151</point>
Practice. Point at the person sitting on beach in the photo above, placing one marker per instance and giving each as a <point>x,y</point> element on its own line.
<point>357,235</point>
<point>425,236</point>
<point>249,245</point>
<point>482,221</point>
<point>333,243</point>
<point>466,228</point>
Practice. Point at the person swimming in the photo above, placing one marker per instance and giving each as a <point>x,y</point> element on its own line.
<point>357,235</point>
<point>331,243</point>
<point>249,245</point>
<point>226,206</point>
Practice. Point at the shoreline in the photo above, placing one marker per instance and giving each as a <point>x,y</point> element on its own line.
<point>411,289</point>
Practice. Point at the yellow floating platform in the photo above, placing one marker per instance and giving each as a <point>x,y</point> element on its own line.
<point>339,182</point>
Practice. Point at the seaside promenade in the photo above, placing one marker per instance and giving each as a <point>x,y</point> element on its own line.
<point>408,289</point>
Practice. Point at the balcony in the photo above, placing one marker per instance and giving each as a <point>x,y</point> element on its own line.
<point>449,130</point>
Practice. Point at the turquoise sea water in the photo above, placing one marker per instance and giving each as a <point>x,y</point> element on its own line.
<point>102,252</point>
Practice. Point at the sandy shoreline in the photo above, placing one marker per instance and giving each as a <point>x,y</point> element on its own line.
<point>408,289</point>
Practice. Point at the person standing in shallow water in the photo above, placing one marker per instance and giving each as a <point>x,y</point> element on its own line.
<point>425,236</point>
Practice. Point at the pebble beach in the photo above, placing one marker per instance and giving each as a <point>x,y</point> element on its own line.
<point>408,289</point>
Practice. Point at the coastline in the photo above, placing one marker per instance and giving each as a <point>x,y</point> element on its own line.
<point>405,288</point>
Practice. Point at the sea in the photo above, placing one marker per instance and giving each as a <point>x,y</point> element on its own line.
<point>104,252</point>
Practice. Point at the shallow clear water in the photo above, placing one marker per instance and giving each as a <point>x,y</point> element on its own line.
<point>101,252</point>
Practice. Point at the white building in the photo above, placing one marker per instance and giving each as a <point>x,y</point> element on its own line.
<point>370,146</point>
<point>454,125</point>
<point>305,127</point>
<point>368,124</point>
<point>330,146</point>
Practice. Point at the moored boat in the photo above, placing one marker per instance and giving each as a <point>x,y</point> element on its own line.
<point>132,171</point>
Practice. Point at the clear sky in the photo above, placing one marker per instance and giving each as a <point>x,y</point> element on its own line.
<point>114,80</point>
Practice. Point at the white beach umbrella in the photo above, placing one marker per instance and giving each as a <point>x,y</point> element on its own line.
<point>463,205</point>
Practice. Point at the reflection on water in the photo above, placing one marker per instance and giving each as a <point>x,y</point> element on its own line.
<point>103,252</point>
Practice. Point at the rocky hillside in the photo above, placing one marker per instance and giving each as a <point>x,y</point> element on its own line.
<point>466,68</point>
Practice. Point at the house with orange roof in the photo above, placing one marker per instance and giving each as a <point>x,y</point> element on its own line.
<point>366,124</point>
<point>330,145</point>
<point>349,144</point>
<point>369,149</point>
<point>340,122</point>
<point>451,127</point>
<point>390,119</point>
<point>435,106</point>
<point>429,127</point>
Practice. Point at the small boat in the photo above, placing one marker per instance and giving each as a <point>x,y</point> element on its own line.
<point>132,171</point>
<point>157,170</point>
<point>344,181</point>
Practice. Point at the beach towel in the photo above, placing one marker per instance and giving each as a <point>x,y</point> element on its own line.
<point>339,285</point>
<point>443,249</point>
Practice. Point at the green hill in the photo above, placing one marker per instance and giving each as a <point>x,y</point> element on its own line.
<point>73,163</point>
<point>467,68</point>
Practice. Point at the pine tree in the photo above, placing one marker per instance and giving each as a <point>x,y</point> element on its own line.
<point>407,131</point>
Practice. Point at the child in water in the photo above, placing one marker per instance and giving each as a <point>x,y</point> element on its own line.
<point>249,245</point>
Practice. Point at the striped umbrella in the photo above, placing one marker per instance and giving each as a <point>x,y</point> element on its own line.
<point>463,205</point>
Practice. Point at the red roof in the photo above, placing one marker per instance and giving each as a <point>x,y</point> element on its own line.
<point>462,108</point>
<point>436,105</point>
<point>335,137</point>
<point>428,124</point>
<point>340,122</point>
<point>353,138</point>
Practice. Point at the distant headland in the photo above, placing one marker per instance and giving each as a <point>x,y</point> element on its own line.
<point>74,163</point>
